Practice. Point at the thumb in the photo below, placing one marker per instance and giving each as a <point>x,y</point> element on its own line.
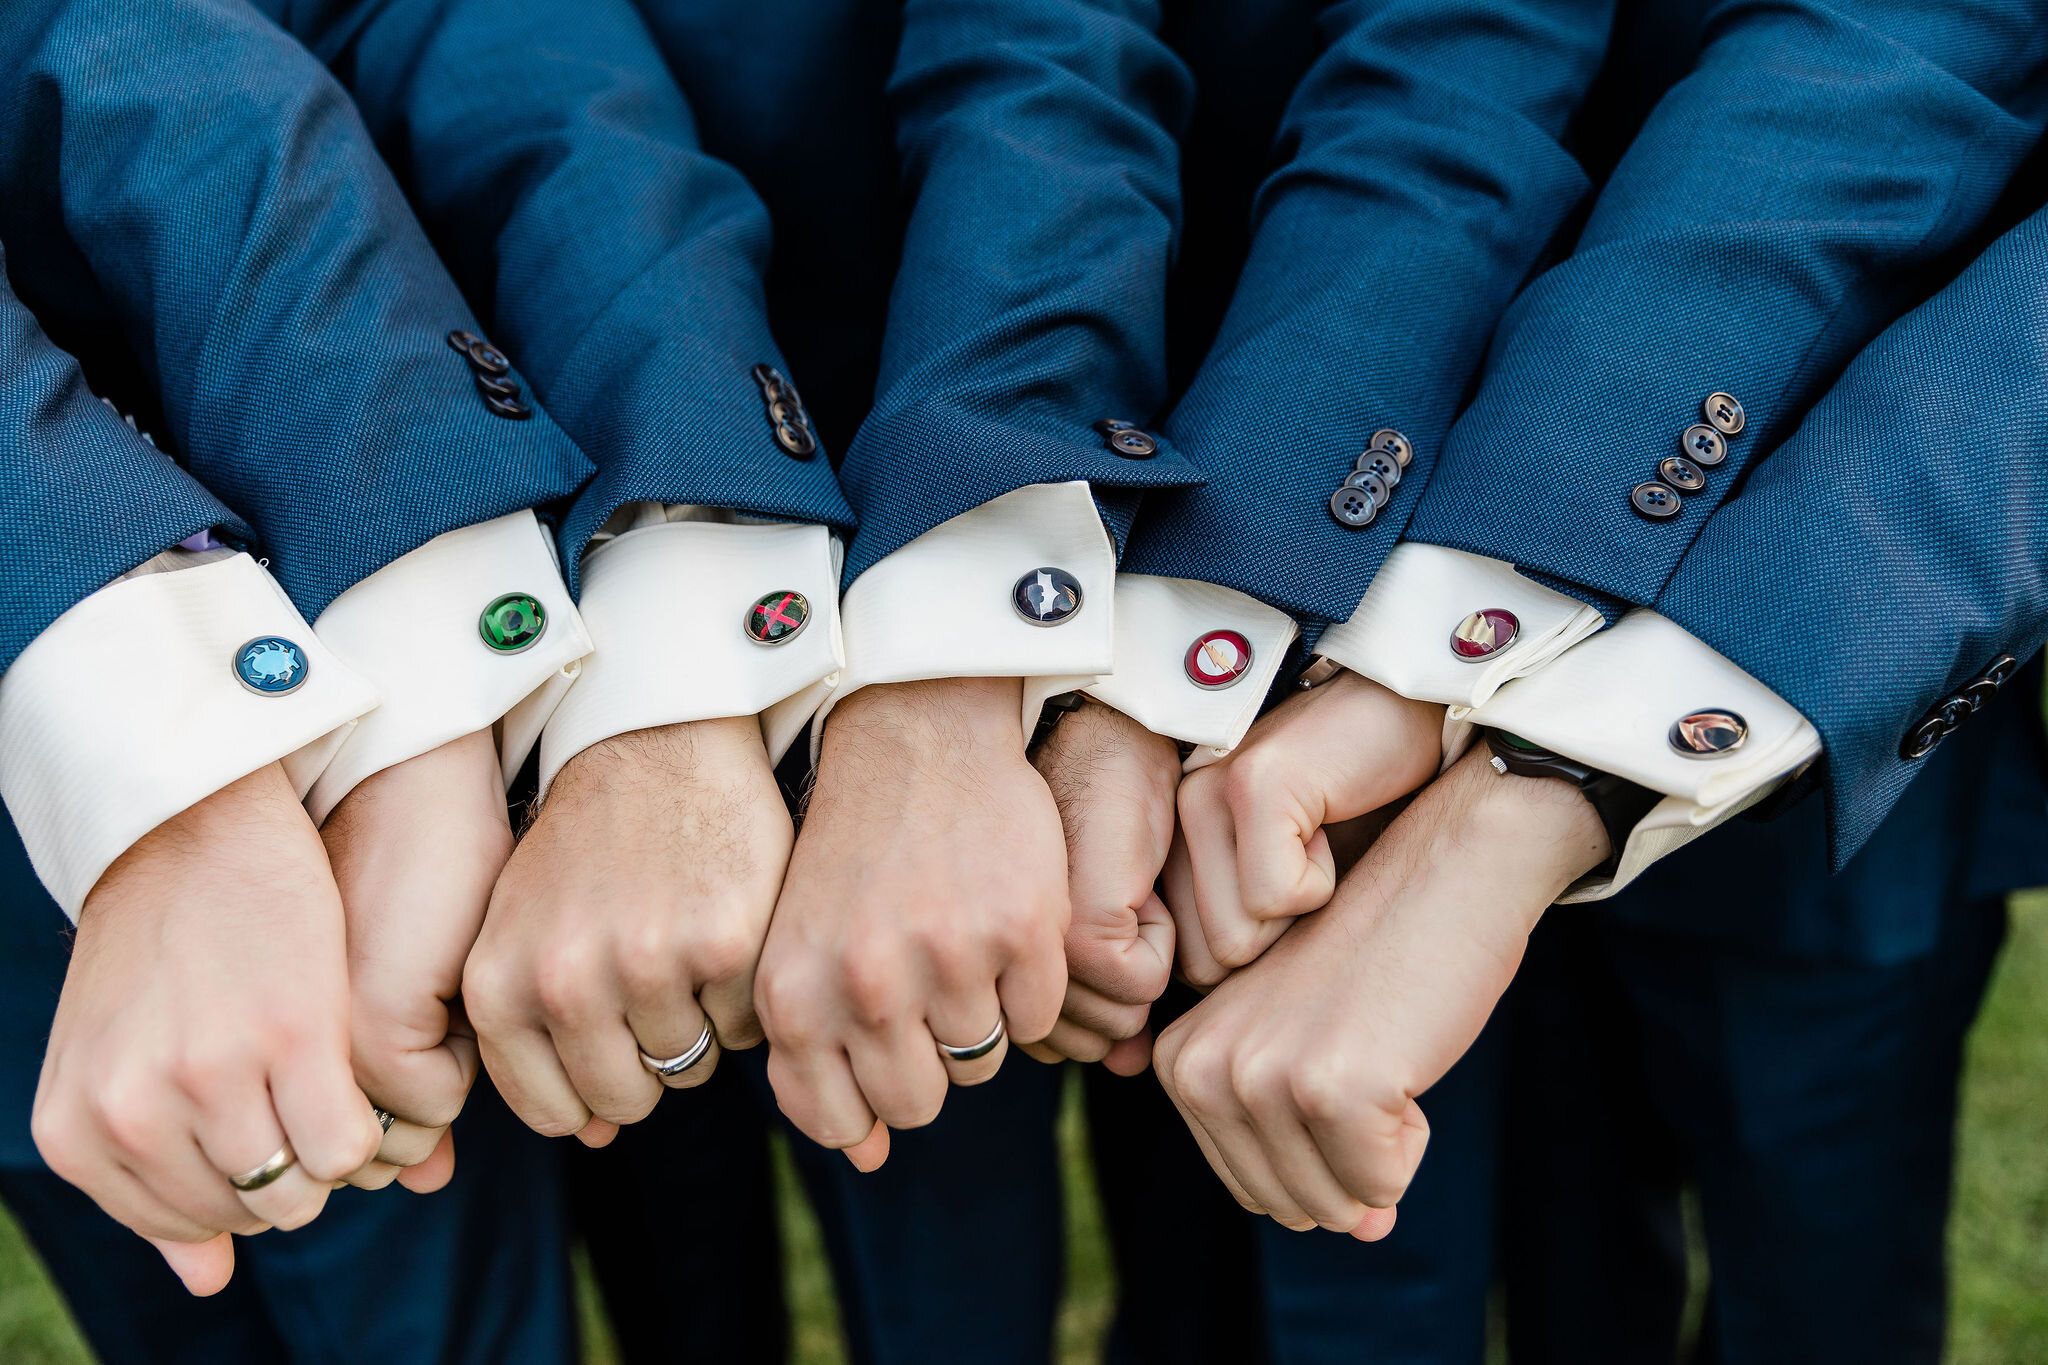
<point>204,1267</point>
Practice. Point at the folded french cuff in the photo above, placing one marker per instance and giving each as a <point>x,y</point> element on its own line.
<point>1193,660</point>
<point>1625,700</point>
<point>139,702</point>
<point>696,620</point>
<point>945,605</point>
<point>1446,626</point>
<point>445,633</point>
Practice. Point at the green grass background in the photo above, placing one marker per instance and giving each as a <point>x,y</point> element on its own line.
<point>1998,1238</point>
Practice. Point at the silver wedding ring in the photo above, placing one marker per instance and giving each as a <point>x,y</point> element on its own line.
<point>251,1181</point>
<point>675,1066</point>
<point>980,1049</point>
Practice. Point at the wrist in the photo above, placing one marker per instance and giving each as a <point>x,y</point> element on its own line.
<point>977,713</point>
<point>1549,821</point>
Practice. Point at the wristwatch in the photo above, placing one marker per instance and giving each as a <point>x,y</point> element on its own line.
<point>1618,802</point>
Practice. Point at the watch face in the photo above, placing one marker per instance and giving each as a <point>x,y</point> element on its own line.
<point>1516,742</point>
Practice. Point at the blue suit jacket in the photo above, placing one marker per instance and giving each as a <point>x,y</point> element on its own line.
<point>1784,201</point>
<point>1418,177</point>
<point>68,461</point>
<point>558,167</point>
<point>191,206</point>
<point>1033,154</point>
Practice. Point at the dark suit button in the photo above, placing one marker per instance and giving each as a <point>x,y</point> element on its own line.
<point>1394,443</point>
<point>461,341</point>
<point>1723,413</point>
<point>1109,424</point>
<point>767,376</point>
<point>2000,670</point>
<point>1382,463</point>
<point>1654,501</point>
<point>1921,739</point>
<point>1955,710</point>
<point>1372,485</point>
<point>487,358</point>
<point>1352,507</point>
<point>509,408</point>
<point>1977,691</point>
<point>1681,474</point>
<point>1704,445</point>
<point>1133,444</point>
<point>497,388</point>
<point>796,438</point>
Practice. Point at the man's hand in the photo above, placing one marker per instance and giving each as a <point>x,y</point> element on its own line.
<point>633,909</point>
<point>925,902</point>
<point>415,850</point>
<point>203,1026</point>
<point>1299,1074</point>
<point>1113,781</point>
<point>1251,853</point>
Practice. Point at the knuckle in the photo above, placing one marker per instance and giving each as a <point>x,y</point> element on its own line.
<point>1248,779</point>
<point>487,992</point>
<point>873,981</point>
<point>565,980</point>
<point>1321,1090</point>
<point>1201,1075</point>
<point>724,952</point>
<point>60,1134</point>
<point>788,1009</point>
<point>650,962</point>
<point>132,1120</point>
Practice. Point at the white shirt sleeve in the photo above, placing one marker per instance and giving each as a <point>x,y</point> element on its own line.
<point>940,607</point>
<point>1402,634</point>
<point>129,709</point>
<point>1161,624</point>
<point>412,629</point>
<point>666,600</point>
<point>1612,702</point>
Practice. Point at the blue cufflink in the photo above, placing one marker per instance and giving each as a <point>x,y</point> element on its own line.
<point>271,666</point>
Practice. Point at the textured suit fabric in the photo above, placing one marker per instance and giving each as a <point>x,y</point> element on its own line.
<point>615,261</point>
<point>1916,576</point>
<point>1036,145</point>
<point>475,1275</point>
<point>67,461</point>
<point>192,207</point>
<point>1420,177</point>
<point>1769,218</point>
<point>1646,1063</point>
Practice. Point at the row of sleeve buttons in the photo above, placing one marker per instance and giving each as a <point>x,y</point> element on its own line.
<point>1370,484</point>
<point>787,415</point>
<point>1703,446</point>
<point>491,370</point>
<point>1950,712</point>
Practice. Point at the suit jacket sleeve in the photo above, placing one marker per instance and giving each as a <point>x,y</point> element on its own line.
<point>1776,210</point>
<point>186,175</point>
<point>1911,574</point>
<point>1036,143</point>
<point>1421,179</point>
<point>550,153</point>
<point>85,498</point>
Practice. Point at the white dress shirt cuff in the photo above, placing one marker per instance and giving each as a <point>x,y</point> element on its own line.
<point>1612,702</point>
<point>667,605</point>
<point>940,607</point>
<point>412,628</point>
<point>1160,624</point>
<point>128,709</point>
<point>1410,632</point>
